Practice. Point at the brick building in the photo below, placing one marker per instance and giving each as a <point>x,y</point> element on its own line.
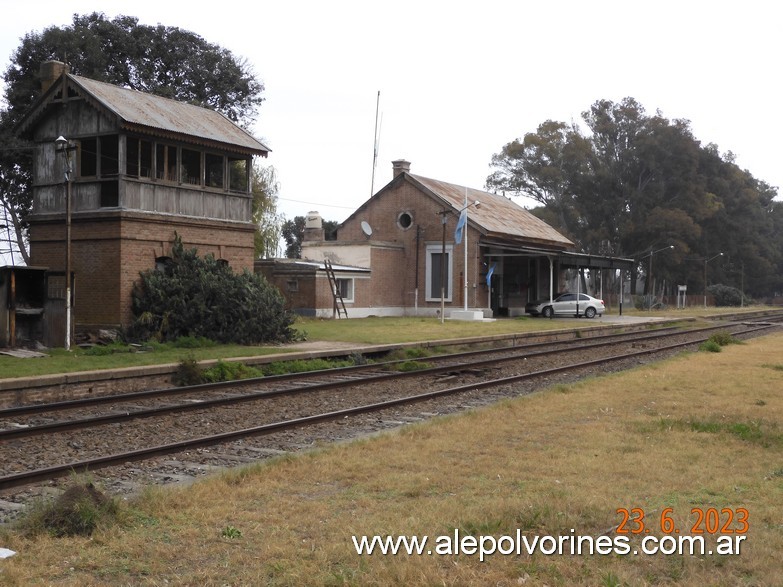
<point>388,253</point>
<point>143,168</point>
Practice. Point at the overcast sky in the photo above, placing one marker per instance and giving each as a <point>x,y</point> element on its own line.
<point>458,80</point>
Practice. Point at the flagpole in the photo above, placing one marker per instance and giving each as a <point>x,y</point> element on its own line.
<point>465,228</point>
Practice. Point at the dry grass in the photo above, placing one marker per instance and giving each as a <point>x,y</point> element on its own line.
<point>695,431</point>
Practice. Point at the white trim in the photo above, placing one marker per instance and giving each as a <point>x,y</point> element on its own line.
<point>438,249</point>
<point>348,299</point>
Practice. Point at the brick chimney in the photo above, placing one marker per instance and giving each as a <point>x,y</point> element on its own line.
<point>400,166</point>
<point>50,72</point>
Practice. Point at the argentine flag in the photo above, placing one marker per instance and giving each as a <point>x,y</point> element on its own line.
<point>489,274</point>
<point>463,218</point>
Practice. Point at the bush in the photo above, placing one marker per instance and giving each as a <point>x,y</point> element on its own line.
<point>77,512</point>
<point>710,346</point>
<point>199,298</point>
<point>188,373</point>
<point>720,339</point>
<point>723,338</point>
<point>726,295</point>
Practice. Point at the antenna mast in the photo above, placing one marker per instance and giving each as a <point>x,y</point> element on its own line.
<point>375,145</point>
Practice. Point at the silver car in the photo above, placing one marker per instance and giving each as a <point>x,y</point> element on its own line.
<point>567,304</point>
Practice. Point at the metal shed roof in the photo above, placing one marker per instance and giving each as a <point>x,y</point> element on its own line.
<point>154,115</point>
<point>497,216</point>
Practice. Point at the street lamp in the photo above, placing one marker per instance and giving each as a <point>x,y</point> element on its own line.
<point>705,275</point>
<point>651,292</point>
<point>64,147</point>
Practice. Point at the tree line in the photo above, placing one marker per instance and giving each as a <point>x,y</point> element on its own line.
<point>634,183</point>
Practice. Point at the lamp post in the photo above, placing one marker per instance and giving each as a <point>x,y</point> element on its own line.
<point>64,147</point>
<point>443,267</point>
<point>651,292</point>
<point>706,260</point>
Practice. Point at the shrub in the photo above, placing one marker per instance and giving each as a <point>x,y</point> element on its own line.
<point>710,346</point>
<point>726,295</point>
<point>201,298</point>
<point>76,512</point>
<point>188,373</point>
<point>723,338</point>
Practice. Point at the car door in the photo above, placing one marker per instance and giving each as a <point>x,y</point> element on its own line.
<point>565,304</point>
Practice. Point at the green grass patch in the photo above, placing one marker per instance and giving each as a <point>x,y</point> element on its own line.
<point>304,365</point>
<point>229,371</point>
<point>407,366</point>
<point>389,330</point>
<point>62,361</point>
<point>716,342</point>
<point>766,435</point>
<point>189,372</point>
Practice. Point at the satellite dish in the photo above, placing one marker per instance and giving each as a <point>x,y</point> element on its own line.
<point>366,228</point>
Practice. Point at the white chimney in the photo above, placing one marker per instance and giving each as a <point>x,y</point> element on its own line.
<point>400,166</point>
<point>314,227</point>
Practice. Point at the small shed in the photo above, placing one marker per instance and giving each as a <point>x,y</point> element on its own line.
<point>23,294</point>
<point>305,285</point>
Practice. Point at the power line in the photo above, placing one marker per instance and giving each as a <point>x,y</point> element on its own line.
<point>316,204</point>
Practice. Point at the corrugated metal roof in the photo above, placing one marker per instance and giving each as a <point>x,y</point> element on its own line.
<point>497,216</point>
<point>167,115</point>
<point>319,265</point>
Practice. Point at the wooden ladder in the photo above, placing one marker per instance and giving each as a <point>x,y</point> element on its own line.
<point>339,304</point>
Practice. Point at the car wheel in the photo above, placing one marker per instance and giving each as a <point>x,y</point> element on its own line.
<point>547,312</point>
<point>590,313</point>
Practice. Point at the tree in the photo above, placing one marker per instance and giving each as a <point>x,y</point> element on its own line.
<point>161,60</point>
<point>640,182</point>
<point>202,297</point>
<point>293,233</point>
<point>265,188</point>
<point>544,166</point>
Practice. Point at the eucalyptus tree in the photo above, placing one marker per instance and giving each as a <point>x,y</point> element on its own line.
<point>638,182</point>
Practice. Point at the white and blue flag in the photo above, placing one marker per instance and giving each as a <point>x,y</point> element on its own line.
<point>463,219</point>
<point>489,274</point>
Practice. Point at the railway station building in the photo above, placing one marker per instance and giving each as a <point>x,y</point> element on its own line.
<point>390,254</point>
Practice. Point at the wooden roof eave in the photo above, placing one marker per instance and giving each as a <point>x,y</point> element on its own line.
<point>185,138</point>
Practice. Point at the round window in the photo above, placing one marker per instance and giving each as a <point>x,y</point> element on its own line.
<point>405,220</point>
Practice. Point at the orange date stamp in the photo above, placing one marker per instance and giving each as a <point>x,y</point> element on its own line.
<point>701,521</point>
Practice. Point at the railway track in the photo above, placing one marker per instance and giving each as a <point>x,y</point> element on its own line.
<point>224,425</point>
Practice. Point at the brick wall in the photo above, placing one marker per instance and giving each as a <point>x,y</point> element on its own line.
<point>394,272</point>
<point>109,250</point>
